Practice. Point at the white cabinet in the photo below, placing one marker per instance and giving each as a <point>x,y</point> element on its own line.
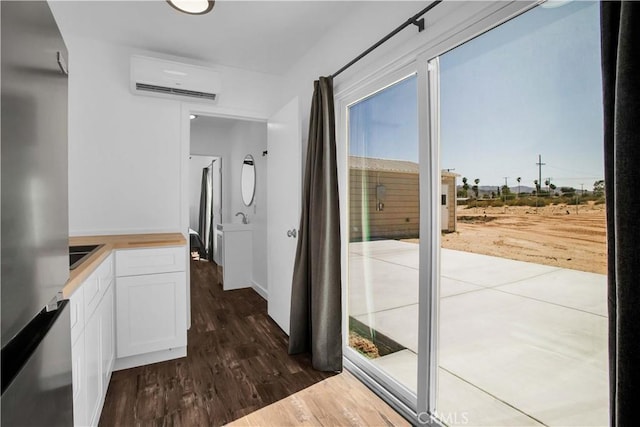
<point>78,362</point>
<point>93,343</point>
<point>108,335</point>
<point>235,243</point>
<point>93,355</point>
<point>151,305</point>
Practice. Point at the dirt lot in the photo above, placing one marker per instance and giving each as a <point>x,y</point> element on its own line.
<point>553,235</point>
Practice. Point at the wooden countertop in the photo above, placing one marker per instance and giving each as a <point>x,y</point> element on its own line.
<point>110,243</point>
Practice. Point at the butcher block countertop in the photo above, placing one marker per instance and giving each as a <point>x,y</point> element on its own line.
<point>111,242</point>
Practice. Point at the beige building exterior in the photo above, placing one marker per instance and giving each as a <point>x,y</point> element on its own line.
<point>384,199</point>
<point>448,201</point>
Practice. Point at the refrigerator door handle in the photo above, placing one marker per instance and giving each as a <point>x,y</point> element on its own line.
<point>62,64</point>
<point>53,305</point>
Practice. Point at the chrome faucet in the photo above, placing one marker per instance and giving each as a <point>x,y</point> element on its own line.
<point>244,217</point>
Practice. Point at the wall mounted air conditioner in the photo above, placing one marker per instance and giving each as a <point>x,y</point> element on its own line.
<point>159,77</point>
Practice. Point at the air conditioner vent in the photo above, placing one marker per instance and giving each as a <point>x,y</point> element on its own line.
<point>175,91</point>
<point>177,80</point>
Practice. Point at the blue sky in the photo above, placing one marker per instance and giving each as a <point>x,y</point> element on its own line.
<point>532,86</point>
<point>385,126</point>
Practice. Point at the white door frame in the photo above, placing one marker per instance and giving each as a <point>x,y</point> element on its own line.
<point>186,109</point>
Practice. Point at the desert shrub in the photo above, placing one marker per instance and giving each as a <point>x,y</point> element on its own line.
<point>539,202</point>
<point>590,198</point>
<point>517,202</point>
<point>600,201</point>
<point>576,201</point>
<point>529,201</point>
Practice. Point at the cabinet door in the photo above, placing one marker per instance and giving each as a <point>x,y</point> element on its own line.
<point>78,371</point>
<point>107,334</point>
<point>151,313</point>
<point>93,356</point>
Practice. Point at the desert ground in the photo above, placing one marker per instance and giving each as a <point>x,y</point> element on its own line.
<point>557,235</point>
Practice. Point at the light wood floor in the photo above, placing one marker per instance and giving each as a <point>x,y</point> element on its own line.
<point>341,400</point>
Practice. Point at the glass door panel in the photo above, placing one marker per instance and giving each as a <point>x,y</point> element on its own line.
<point>383,229</point>
<point>522,306</point>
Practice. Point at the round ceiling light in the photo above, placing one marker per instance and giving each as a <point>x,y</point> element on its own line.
<point>192,7</point>
<point>552,4</point>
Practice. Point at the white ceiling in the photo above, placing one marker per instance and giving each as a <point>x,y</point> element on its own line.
<point>264,36</point>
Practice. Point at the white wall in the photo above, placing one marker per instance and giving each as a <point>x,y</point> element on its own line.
<point>214,136</point>
<point>124,149</point>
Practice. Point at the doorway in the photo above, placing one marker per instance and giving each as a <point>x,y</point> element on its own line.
<point>222,144</point>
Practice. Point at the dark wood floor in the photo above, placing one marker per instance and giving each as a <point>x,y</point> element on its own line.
<point>236,363</point>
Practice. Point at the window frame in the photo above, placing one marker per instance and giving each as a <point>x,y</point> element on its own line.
<point>401,394</point>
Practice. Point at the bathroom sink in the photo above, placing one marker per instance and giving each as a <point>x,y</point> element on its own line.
<point>78,254</point>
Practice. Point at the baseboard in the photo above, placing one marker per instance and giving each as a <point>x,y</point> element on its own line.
<point>149,358</point>
<point>260,290</point>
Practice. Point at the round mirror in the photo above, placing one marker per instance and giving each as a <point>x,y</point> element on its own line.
<point>248,179</point>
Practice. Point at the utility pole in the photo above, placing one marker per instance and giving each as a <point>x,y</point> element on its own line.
<point>540,164</point>
<point>507,187</point>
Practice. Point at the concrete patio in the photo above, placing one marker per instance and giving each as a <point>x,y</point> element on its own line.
<point>519,343</point>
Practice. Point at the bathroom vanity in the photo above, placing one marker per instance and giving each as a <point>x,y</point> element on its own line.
<point>234,255</point>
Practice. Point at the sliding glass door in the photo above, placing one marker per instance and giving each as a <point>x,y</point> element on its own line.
<point>476,279</point>
<point>383,231</point>
<point>522,320</point>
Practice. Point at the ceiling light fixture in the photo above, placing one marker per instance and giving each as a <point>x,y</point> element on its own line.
<point>192,7</point>
<point>192,116</point>
<point>552,4</point>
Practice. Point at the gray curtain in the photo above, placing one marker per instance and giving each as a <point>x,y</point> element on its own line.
<point>209,243</point>
<point>202,218</point>
<point>316,311</point>
<point>620,29</point>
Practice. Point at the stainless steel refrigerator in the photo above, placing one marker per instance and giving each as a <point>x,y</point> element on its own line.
<point>36,342</point>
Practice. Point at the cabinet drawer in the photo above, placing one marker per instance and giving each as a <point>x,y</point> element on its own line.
<point>135,262</point>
